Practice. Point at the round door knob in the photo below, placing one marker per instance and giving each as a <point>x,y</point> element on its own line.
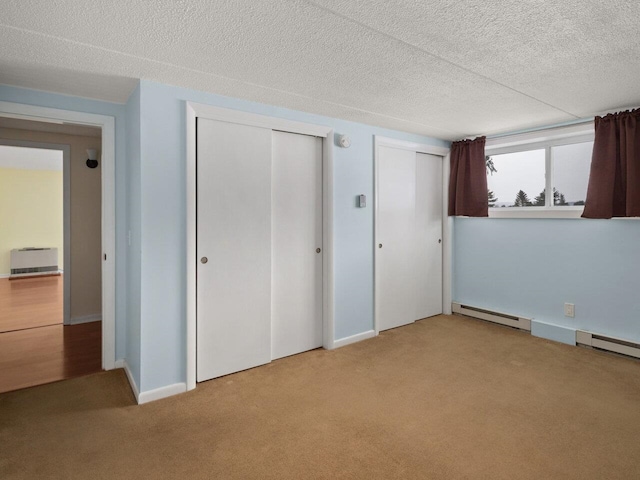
<point>439,240</point>
<point>379,245</point>
<point>204,260</point>
<point>318,250</point>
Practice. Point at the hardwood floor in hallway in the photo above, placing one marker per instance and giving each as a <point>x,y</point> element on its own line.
<point>35,347</point>
<point>31,302</point>
<point>48,354</point>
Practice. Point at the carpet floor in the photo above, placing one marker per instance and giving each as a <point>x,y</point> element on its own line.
<point>444,398</point>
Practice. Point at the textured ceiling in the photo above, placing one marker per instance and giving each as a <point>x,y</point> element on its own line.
<point>443,68</point>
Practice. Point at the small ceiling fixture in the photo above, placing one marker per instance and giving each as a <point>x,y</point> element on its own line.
<point>92,161</point>
<point>344,141</point>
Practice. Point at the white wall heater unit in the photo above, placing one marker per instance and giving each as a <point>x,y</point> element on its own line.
<point>490,316</point>
<point>33,261</point>
<point>610,344</point>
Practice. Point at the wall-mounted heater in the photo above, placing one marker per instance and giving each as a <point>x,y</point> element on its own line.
<point>28,262</point>
<point>491,316</point>
<point>611,344</point>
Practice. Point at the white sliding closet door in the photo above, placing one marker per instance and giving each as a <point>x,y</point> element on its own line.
<point>296,308</point>
<point>428,235</point>
<point>395,257</point>
<point>408,241</point>
<point>234,248</point>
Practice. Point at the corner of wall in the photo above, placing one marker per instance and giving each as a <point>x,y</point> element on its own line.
<point>132,234</point>
<point>132,382</point>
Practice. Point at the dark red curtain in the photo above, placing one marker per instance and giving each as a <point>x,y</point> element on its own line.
<point>614,181</point>
<point>468,179</point>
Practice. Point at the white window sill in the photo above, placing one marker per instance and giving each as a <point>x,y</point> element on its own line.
<point>536,212</point>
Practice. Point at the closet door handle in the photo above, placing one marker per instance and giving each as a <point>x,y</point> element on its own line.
<point>204,260</point>
<point>318,250</point>
<point>379,245</point>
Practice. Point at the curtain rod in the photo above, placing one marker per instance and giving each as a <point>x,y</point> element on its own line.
<point>560,125</point>
<point>539,129</point>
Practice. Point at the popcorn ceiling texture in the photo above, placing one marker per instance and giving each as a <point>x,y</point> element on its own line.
<point>444,68</point>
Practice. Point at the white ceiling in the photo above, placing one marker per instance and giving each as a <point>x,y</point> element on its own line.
<point>24,158</point>
<point>449,68</point>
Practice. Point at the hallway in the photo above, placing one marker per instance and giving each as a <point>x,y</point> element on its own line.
<point>35,347</point>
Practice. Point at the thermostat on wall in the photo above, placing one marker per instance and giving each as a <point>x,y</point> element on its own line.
<point>362,201</point>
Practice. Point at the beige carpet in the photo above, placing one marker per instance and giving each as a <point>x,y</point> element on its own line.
<point>445,398</point>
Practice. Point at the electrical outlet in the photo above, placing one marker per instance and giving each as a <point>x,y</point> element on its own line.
<point>569,310</point>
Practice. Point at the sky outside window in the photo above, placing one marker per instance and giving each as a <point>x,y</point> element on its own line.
<point>517,171</point>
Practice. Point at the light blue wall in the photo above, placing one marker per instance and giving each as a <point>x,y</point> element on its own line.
<point>163,207</point>
<point>531,267</point>
<point>134,227</point>
<point>64,102</point>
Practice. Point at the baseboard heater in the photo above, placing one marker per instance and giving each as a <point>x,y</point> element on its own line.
<point>610,344</point>
<point>27,262</point>
<point>490,316</point>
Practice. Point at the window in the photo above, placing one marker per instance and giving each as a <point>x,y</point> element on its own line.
<point>570,175</point>
<point>516,178</point>
<point>521,172</point>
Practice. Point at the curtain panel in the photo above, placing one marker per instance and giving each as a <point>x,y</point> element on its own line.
<point>468,179</point>
<point>614,181</point>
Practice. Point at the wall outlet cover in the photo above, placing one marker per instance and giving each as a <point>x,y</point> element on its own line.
<point>569,310</point>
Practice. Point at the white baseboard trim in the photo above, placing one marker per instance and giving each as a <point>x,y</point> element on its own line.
<point>162,392</point>
<point>354,338</point>
<point>94,317</point>
<point>150,395</point>
<point>134,388</point>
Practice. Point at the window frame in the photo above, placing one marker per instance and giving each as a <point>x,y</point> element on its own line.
<point>540,140</point>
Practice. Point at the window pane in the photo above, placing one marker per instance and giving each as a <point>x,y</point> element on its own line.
<point>518,179</point>
<point>571,164</point>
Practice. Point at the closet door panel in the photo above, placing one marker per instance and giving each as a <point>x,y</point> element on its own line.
<point>395,242</point>
<point>428,235</point>
<point>234,248</point>
<point>296,309</point>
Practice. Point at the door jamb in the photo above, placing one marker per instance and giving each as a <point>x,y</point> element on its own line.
<point>380,141</point>
<point>196,110</point>
<point>107,124</point>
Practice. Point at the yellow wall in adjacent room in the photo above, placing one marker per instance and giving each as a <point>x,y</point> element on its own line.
<point>31,212</point>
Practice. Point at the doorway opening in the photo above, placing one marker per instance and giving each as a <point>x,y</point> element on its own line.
<point>51,305</point>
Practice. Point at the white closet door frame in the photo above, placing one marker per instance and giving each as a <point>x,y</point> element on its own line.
<point>446,222</point>
<point>196,110</point>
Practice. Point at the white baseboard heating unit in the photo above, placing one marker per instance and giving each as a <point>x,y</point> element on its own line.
<point>33,261</point>
<point>490,316</point>
<point>610,344</point>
